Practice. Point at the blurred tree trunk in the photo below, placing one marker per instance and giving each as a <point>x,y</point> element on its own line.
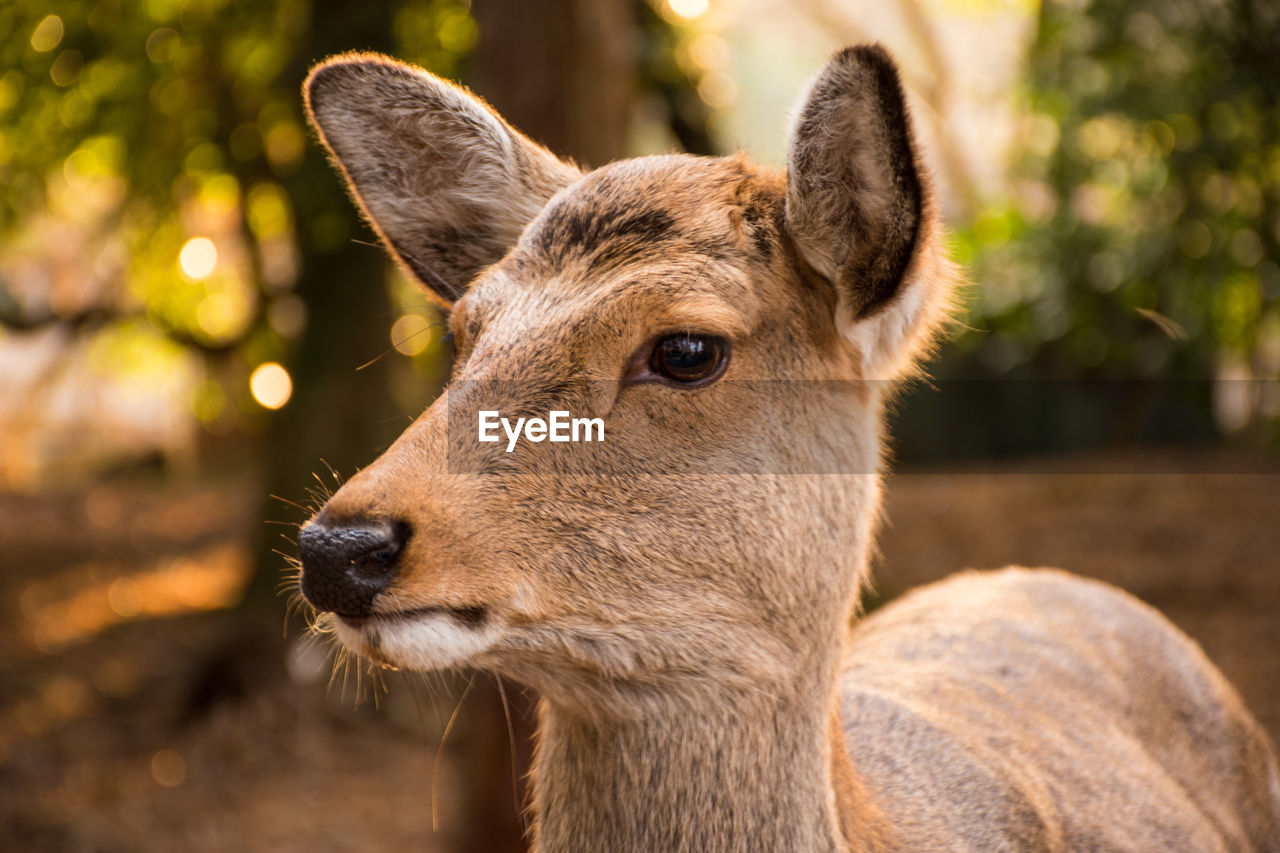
<point>335,414</point>
<point>563,72</point>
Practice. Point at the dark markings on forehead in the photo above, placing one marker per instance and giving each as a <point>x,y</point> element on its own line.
<point>682,209</point>
<point>584,228</point>
<point>758,216</point>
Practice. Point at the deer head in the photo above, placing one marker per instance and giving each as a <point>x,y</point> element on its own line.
<point>732,327</point>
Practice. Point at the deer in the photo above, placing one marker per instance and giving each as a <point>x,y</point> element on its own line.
<point>685,594</point>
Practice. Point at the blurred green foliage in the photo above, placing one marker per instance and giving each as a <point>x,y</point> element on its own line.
<point>147,124</point>
<point>1142,236</point>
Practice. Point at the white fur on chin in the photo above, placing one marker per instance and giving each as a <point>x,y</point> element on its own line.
<point>425,642</point>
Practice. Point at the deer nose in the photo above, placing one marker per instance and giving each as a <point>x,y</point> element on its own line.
<point>345,566</point>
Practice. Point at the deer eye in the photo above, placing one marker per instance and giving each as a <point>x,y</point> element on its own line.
<point>689,359</point>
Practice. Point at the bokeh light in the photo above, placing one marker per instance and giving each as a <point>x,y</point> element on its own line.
<point>48,34</point>
<point>168,768</point>
<point>198,258</point>
<point>271,385</point>
<point>411,334</point>
<point>689,9</point>
<point>717,90</point>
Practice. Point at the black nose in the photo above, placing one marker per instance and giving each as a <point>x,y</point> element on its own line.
<point>345,567</point>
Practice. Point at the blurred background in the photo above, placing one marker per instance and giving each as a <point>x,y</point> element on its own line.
<point>198,337</point>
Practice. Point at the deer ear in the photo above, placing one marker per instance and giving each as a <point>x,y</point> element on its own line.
<point>446,183</point>
<point>859,210</point>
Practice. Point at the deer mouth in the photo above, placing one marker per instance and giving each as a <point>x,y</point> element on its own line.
<point>420,638</point>
<point>472,617</point>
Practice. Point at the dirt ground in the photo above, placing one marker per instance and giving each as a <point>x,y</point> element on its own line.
<point>109,600</point>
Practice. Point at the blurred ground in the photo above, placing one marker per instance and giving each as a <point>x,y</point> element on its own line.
<point>109,598</point>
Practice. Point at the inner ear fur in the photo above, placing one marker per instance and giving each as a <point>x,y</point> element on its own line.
<point>444,180</point>
<point>857,204</point>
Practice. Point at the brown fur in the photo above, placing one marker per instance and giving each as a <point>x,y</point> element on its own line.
<point>681,593</point>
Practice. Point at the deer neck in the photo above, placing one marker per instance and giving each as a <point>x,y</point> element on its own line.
<point>737,773</point>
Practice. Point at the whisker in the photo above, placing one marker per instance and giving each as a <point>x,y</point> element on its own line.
<point>294,504</point>
<point>338,479</point>
<point>325,490</point>
<point>511,741</point>
<point>290,608</point>
<point>377,358</point>
<point>435,767</point>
